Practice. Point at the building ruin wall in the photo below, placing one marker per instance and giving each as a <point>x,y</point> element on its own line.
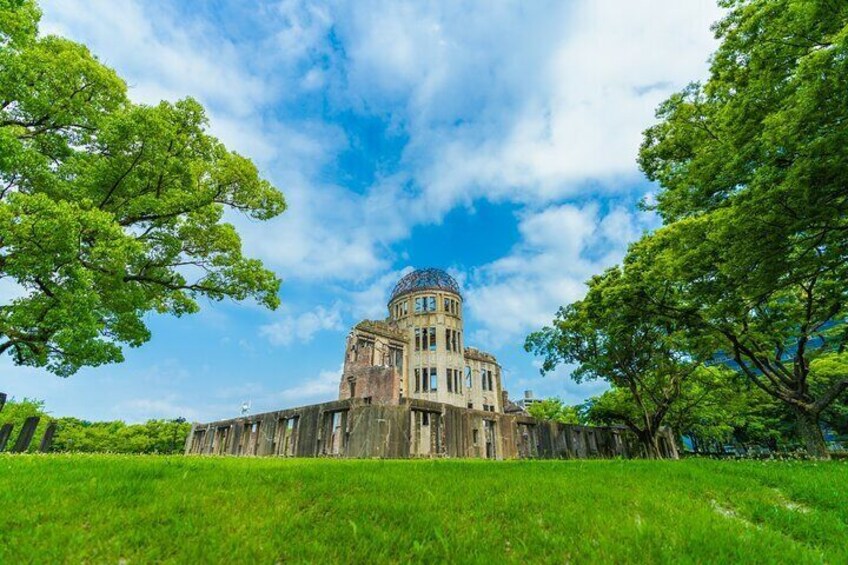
<point>413,428</point>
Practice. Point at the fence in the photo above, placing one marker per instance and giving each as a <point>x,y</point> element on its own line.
<point>26,434</point>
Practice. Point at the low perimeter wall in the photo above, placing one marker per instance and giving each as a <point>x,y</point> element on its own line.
<point>414,428</point>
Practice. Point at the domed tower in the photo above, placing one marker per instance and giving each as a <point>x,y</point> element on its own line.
<point>419,350</point>
<point>427,305</point>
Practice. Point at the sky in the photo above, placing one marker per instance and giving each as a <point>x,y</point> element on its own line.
<point>495,140</point>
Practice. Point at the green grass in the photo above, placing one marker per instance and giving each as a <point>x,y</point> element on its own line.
<point>102,509</point>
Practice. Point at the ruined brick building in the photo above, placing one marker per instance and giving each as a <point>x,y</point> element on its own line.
<point>410,387</point>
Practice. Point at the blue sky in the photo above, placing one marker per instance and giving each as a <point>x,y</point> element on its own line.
<point>495,140</point>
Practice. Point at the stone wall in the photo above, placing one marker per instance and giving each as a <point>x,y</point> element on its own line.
<point>373,366</point>
<point>379,385</point>
<point>412,428</point>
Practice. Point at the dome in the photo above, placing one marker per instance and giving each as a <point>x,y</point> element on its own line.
<point>425,279</point>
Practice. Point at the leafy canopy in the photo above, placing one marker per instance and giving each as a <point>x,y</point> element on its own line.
<point>109,209</point>
<point>612,336</point>
<point>753,169</point>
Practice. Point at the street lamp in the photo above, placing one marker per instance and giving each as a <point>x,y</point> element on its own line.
<point>178,421</point>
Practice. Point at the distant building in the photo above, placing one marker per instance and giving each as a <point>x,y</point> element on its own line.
<point>528,400</point>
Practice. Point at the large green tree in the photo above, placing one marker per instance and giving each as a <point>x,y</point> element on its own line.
<point>786,340</point>
<point>109,209</point>
<point>753,174</point>
<point>611,336</point>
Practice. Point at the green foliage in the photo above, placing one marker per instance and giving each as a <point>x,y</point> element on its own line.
<point>73,434</point>
<point>108,209</point>
<point>709,410</point>
<point>555,410</point>
<point>720,408</point>
<point>154,436</point>
<point>767,121</point>
<point>830,367</point>
<point>611,335</point>
<point>752,263</point>
<point>753,166</point>
<point>142,509</point>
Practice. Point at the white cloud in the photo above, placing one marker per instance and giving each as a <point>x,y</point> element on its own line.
<point>524,102</point>
<point>534,103</point>
<point>371,301</point>
<point>162,57</point>
<point>561,247</point>
<point>323,388</point>
<point>555,384</point>
<point>302,328</point>
<point>529,101</point>
<point>366,302</point>
<point>167,407</point>
<point>322,234</point>
<point>260,397</point>
<point>11,290</point>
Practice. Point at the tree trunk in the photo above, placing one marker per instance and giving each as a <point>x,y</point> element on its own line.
<point>651,444</point>
<point>809,432</point>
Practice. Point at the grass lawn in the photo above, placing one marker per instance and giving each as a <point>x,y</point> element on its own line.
<point>102,509</point>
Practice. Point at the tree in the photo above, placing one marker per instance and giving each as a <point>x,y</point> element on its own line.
<point>109,209</point>
<point>720,407</point>
<point>554,410</point>
<point>831,367</point>
<point>771,335</point>
<point>153,436</point>
<point>611,337</point>
<point>762,421</point>
<point>753,169</point>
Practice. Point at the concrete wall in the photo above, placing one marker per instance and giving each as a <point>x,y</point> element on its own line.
<point>413,428</point>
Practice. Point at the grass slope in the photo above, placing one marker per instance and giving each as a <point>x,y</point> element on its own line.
<point>100,508</point>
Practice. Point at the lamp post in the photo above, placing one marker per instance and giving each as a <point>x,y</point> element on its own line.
<point>177,423</point>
